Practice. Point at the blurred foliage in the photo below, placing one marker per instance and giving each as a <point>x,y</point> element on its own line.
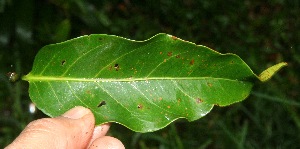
<point>260,32</point>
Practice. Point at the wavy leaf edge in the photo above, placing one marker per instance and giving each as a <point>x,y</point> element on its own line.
<point>263,77</point>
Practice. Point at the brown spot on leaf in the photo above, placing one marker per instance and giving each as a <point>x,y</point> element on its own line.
<point>174,38</point>
<point>165,60</point>
<point>160,98</point>
<point>199,100</point>
<point>170,53</point>
<point>169,107</point>
<point>192,62</point>
<point>140,106</point>
<point>232,62</point>
<point>177,56</point>
<point>160,52</point>
<point>209,84</point>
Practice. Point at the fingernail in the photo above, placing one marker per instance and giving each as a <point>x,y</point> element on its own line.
<point>76,113</point>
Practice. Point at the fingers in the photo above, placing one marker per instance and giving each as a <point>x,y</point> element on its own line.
<point>100,131</point>
<point>73,129</point>
<point>107,142</point>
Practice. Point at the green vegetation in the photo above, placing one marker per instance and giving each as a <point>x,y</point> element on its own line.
<point>261,33</point>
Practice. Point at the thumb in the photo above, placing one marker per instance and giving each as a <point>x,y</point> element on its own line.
<point>73,129</point>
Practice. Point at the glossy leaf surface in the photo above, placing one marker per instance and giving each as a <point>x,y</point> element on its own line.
<point>144,85</point>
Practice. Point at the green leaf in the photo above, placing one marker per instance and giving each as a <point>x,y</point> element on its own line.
<point>143,85</point>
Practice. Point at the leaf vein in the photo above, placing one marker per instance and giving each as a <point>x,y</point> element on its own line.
<point>150,100</point>
<point>55,95</point>
<point>164,61</point>
<point>77,96</point>
<point>113,61</point>
<point>108,93</point>
<point>76,60</point>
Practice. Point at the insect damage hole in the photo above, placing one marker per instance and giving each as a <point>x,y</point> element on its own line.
<point>102,103</point>
<point>63,62</point>
<point>117,67</point>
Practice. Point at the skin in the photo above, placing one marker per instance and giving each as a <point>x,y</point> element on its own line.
<point>75,129</point>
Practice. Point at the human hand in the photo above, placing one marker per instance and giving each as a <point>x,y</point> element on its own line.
<point>74,129</point>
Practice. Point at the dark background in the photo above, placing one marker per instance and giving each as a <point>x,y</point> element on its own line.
<point>261,33</point>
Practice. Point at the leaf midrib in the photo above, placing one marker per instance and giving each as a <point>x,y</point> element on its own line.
<point>51,78</point>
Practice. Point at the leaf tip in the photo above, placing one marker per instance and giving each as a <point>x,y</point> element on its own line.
<point>268,73</point>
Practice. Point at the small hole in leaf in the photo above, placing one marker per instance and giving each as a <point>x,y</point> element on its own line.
<point>102,103</point>
<point>63,62</point>
<point>100,38</point>
<point>117,67</point>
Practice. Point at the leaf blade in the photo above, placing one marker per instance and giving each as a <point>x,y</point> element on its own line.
<point>145,85</point>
